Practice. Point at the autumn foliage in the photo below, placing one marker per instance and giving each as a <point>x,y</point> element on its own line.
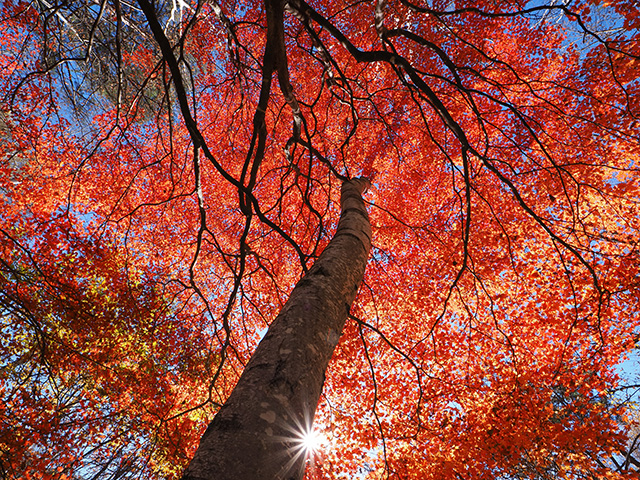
<point>159,201</point>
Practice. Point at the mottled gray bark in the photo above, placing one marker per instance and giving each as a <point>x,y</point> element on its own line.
<point>253,436</point>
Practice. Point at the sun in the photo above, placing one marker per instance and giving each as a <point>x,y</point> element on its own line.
<point>311,441</point>
<point>306,446</point>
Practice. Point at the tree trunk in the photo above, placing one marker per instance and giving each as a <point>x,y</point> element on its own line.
<point>256,434</point>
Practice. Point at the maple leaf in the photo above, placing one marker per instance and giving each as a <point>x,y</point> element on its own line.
<point>173,176</point>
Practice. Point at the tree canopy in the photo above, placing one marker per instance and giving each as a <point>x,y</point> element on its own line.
<point>169,170</point>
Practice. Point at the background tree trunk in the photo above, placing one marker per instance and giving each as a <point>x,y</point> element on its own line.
<point>256,434</point>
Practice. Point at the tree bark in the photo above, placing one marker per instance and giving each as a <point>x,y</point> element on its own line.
<point>255,435</point>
